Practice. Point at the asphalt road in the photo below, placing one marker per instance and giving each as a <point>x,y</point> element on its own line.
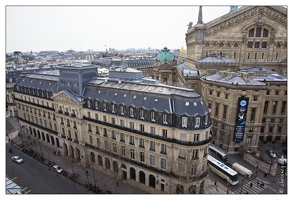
<point>37,177</point>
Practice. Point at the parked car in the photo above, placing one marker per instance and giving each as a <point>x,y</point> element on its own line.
<point>17,159</point>
<point>271,153</point>
<point>282,161</point>
<point>57,169</point>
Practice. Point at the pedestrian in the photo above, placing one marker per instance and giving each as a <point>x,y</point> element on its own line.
<point>54,153</point>
<point>228,191</point>
<point>251,184</point>
<point>273,180</point>
<point>266,173</point>
<point>215,183</point>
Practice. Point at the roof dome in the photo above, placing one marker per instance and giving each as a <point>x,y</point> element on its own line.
<point>165,54</point>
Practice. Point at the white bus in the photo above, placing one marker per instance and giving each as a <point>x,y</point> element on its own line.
<point>219,153</point>
<point>223,170</point>
<point>241,170</point>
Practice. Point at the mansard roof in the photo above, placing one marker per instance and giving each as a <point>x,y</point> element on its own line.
<point>159,97</point>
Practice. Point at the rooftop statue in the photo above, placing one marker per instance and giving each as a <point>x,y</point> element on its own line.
<point>190,25</point>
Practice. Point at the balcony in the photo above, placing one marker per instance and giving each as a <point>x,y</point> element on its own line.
<point>66,113</point>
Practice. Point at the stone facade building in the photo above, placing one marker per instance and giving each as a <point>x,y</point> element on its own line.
<point>248,44</point>
<point>153,135</point>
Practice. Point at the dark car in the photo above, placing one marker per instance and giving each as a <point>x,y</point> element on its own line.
<point>271,153</point>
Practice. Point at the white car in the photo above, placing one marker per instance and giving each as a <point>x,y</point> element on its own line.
<point>282,161</point>
<point>17,159</point>
<point>57,169</point>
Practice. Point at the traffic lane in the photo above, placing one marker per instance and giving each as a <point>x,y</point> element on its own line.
<point>39,178</point>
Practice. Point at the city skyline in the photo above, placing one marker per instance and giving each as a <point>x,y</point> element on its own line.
<point>99,28</point>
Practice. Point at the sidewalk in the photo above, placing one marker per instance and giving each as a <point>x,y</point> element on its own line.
<point>103,181</point>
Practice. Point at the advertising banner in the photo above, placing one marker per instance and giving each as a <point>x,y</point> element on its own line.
<point>241,119</point>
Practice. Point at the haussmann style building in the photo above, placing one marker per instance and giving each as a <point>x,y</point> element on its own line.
<point>153,135</point>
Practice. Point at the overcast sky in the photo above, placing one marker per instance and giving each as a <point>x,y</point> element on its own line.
<point>36,28</point>
<point>61,27</point>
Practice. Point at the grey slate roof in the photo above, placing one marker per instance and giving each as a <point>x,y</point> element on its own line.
<point>212,58</point>
<point>256,77</point>
<point>160,98</point>
<point>187,70</point>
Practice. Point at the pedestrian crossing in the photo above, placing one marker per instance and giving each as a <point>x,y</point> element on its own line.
<point>246,189</point>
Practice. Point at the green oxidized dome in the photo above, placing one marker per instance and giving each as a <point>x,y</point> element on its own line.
<point>165,54</point>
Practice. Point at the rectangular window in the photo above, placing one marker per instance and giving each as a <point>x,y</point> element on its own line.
<point>131,125</point>
<point>249,44</point>
<point>88,114</point>
<point>131,112</point>
<point>98,142</point>
<point>141,142</point>
<point>89,128</point>
<point>163,149</point>
<point>163,164</point>
<point>248,139</point>
<point>113,120</point>
<point>122,110</point>
<point>256,45</point>
<point>141,127</point>
<point>152,146</point>
<point>217,109</point>
<point>121,123</point>
<point>114,135</point>
<point>90,139</point>
<point>225,107</point>
<point>152,160</point>
<point>165,119</point>
<point>263,45</point>
<point>97,130</point>
<point>105,132</point>
<point>132,156</point>
<point>75,136</point>
<point>195,154</point>
<point>252,116</point>
<point>96,116</point>
<point>123,150</point>
<point>258,32</point>
<point>197,122</point>
<point>283,109</point>
<point>196,138</point>
<point>184,122</point>
<point>265,111</point>
<point>114,148</point>
<point>141,114</point>
<point>68,123</point>
<point>165,133</point>
<point>131,139</point>
<point>153,130</point>
<point>96,105</point>
<point>275,103</point>
<point>122,137</point>
<point>141,155</point>
<point>153,117</point>
<point>74,124</point>
<point>104,118</point>
<point>182,153</point>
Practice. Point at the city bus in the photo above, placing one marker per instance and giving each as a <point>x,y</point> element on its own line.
<point>223,170</point>
<point>217,152</point>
